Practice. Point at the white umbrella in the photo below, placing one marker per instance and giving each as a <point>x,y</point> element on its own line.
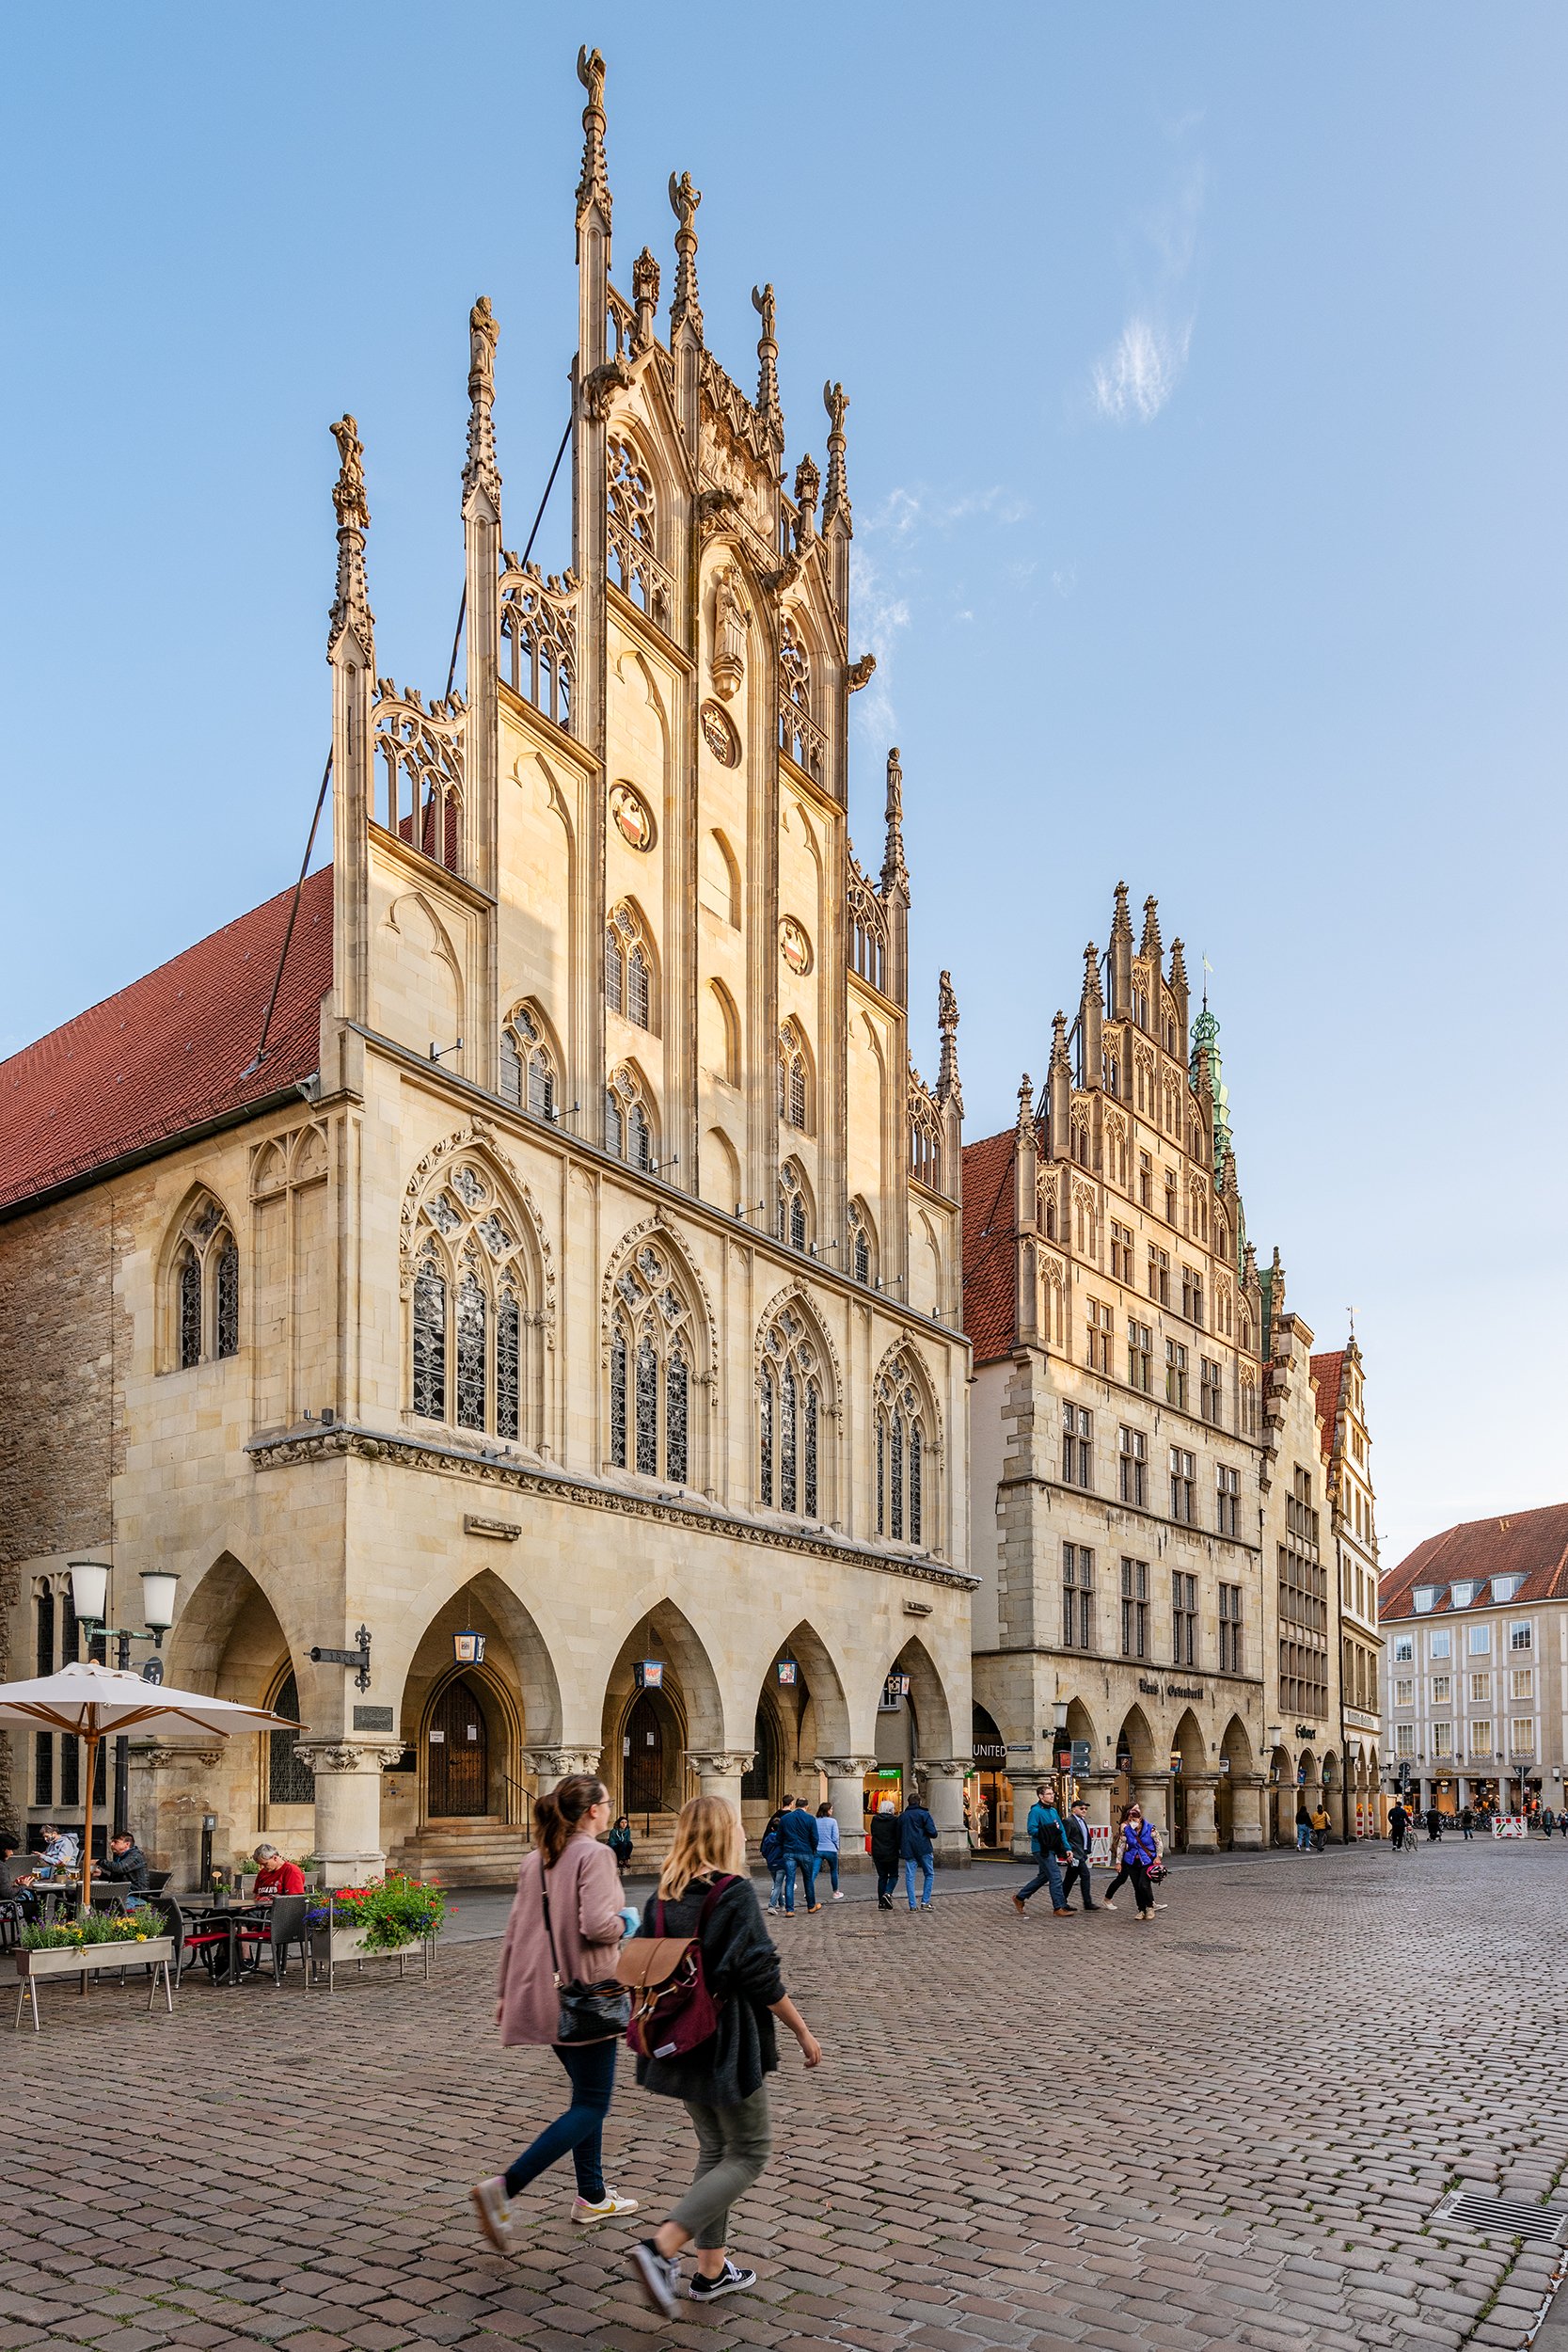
<point>91,1702</point>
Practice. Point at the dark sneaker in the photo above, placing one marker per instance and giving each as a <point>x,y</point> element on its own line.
<point>655,2276</point>
<point>732,2279</point>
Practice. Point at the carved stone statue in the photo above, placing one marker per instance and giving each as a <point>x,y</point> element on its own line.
<point>730,621</point>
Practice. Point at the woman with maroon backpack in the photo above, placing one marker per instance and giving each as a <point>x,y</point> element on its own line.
<point>705,1896</point>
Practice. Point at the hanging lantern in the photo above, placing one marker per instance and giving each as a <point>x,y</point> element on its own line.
<point>467,1648</point>
<point>897,1686</point>
<point>650,1673</point>
<point>787,1671</point>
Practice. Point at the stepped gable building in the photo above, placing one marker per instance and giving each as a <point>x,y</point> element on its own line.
<point>1145,1465</point>
<point>1476,1662</point>
<point>577,1264</point>
<point>1339,1379</point>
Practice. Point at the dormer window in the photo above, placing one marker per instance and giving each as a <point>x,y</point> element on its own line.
<point>1462,1594</point>
<point>1424,1599</point>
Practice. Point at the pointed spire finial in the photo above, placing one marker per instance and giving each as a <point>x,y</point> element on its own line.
<point>1177,965</point>
<point>1149,944</point>
<point>808,486</point>
<point>1121,922</point>
<point>836,506</point>
<point>894,870</point>
<point>644,294</point>
<point>767,365</point>
<point>1058,1043</point>
<point>948,1089</point>
<point>1091,976</point>
<point>684,308</point>
<point>1026,1106</point>
<point>480,471</point>
<point>593,179</point>
<point>351,607</point>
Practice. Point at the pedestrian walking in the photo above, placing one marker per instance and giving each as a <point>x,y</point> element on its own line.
<point>797,1836</point>
<point>1320,1827</point>
<point>1077,1871</point>
<point>619,1842</point>
<point>884,1843</point>
<point>1399,1822</point>
<point>917,1851</point>
<point>722,2084</point>
<point>827,1848</point>
<point>1548,1820</point>
<point>1304,1827</point>
<point>782,1868</point>
<point>565,1930</point>
<point>1434,1826</point>
<point>1048,1843</point>
<point>1140,1854</point>
<point>1467,1824</point>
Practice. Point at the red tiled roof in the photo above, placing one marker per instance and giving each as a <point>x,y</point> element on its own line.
<point>1328,1373</point>
<point>990,1255</point>
<point>1532,1544</point>
<point>172,1050</point>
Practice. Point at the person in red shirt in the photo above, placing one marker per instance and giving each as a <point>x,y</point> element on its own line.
<point>275,1875</point>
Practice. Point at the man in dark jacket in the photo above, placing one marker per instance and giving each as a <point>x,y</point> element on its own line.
<point>1077,1871</point>
<point>798,1833</point>
<point>126,1863</point>
<point>884,1853</point>
<point>917,1847</point>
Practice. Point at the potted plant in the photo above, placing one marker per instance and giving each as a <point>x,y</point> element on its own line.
<point>390,1915</point>
<point>85,1946</point>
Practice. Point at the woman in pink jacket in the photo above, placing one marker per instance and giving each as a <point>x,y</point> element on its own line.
<point>587,1923</point>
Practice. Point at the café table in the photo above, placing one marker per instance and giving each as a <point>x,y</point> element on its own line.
<point>229,1912</point>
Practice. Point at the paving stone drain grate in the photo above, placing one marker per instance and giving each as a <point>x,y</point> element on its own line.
<point>1503,2216</point>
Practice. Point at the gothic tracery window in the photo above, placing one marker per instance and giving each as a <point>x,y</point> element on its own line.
<point>903,1444</point>
<point>468,1318</point>
<point>205,1303</point>
<point>652,1350</point>
<point>858,1256</point>
<point>528,1076</point>
<point>629,981</point>
<point>794,1078</point>
<point>633,531</point>
<point>789,1416</point>
<point>628,1127</point>
<point>794,1222</point>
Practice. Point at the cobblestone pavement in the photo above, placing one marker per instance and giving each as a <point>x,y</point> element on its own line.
<point>1229,2127</point>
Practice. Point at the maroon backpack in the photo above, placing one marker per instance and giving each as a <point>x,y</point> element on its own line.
<point>673,2011</point>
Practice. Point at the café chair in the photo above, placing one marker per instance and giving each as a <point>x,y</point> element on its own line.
<point>283,1928</point>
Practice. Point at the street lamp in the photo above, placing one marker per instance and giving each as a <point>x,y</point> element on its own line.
<point>89,1599</point>
<point>467,1648</point>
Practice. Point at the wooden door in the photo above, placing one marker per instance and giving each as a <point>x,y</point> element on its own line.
<point>644,1758</point>
<point>458,1748</point>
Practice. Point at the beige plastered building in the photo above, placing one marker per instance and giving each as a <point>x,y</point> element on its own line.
<point>579,1264</point>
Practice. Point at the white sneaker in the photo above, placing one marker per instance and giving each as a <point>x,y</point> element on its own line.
<point>493,2211</point>
<point>772,1911</point>
<point>839,1896</point>
<point>655,2276</point>
<point>608,2207</point>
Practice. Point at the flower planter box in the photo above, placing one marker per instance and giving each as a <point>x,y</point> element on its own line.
<point>339,1940</point>
<point>156,1954</point>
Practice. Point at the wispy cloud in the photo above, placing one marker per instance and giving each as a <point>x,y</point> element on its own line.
<point>1134,379</point>
<point>887,578</point>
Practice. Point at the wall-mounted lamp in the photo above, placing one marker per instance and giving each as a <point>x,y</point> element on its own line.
<point>467,1648</point>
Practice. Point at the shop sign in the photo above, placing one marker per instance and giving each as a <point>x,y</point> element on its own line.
<point>1020,1747</point>
<point>989,1750</point>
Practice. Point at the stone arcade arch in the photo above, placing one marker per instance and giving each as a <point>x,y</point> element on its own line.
<point>1192,1799</point>
<point>1236,1798</point>
<point>679,1721</point>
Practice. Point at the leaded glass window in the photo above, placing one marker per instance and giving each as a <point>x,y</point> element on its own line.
<point>637,988</point>
<point>289,1781</point>
<point>613,970</point>
<point>647,1408</point>
<point>786,1440</point>
<point>470,1352</point>
<point>227,1334</point>
<point>810,1451</point>
<point>895,1477</point>
<point>510,1071</point>
<point>618,1401</point>
<point>508,1354</point>
<point>677,1394</point>
<point>611,1124</point>
<point>430,1339</point>
<point>190,1310</point>
<point>765,1436</point>
<point>71,1770</point>
<point>541,1085</point>
<point>914,1484</point>
<point>902,1440</point>
<point>861,1255</point>
<point>640,1142</point>
<point>881,1476</point>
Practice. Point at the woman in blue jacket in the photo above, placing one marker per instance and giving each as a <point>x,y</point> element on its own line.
<point>826,1847</point>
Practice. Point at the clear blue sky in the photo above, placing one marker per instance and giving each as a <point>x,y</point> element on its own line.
<point>1207,456</point>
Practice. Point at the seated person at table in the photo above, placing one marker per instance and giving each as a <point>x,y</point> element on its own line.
<point>275,1876</point>
<point>126,1863</point>
<point>15,1878</point>
<point>62,1848</point>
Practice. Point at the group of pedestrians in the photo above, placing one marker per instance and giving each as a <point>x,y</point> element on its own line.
<point>798,1842</point>
<point>563,1941</point>
<point>1062,1848</point>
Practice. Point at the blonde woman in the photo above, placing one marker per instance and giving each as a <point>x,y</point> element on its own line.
<point>577,1940</point>
<point>722,2084</point>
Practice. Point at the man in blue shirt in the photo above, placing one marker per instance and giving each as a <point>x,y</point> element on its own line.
<point>797,1836</point>
<point>917,1848</point>
<point>1048,1843</point>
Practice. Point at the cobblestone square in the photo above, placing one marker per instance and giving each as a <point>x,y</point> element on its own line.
<point>1229,2128</point>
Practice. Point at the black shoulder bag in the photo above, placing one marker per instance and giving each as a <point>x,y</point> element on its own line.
<point>589,2012</point>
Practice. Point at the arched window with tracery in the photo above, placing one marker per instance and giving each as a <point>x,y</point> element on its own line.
<point>469,1325</point>
<point>652,1361</point>
<point>633,531</point>
<point>799,734</point>
<point>794,1079</point>
<point>418,757</point>
<point>629,1125</point>
<point>794,1212</point>
<point>791,1418</point>
<point>629,969</point>
<point>904,1454</point>
<point>204,1306</point>
<point>860,1257</point>
<point>924,1138</point>
<point>528,1078</point>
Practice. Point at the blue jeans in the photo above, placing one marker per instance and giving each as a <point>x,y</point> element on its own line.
<point>927,1868</point>
<point>806,1865</point>
<point>591,2068</point>
<point>1047,1872</point>
<point>828,1860</point>
<point>1304,1837</point>
<point>783,1884</point>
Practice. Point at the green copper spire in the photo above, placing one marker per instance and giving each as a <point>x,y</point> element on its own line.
<point>1207,1067</point>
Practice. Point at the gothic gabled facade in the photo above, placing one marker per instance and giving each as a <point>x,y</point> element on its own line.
<point>588,1279</point>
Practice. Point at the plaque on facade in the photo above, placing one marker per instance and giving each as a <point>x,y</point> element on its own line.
<point>632,817</point>
<point>719,735</point>
<point>794,946</point>
<point>372,1719</point>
